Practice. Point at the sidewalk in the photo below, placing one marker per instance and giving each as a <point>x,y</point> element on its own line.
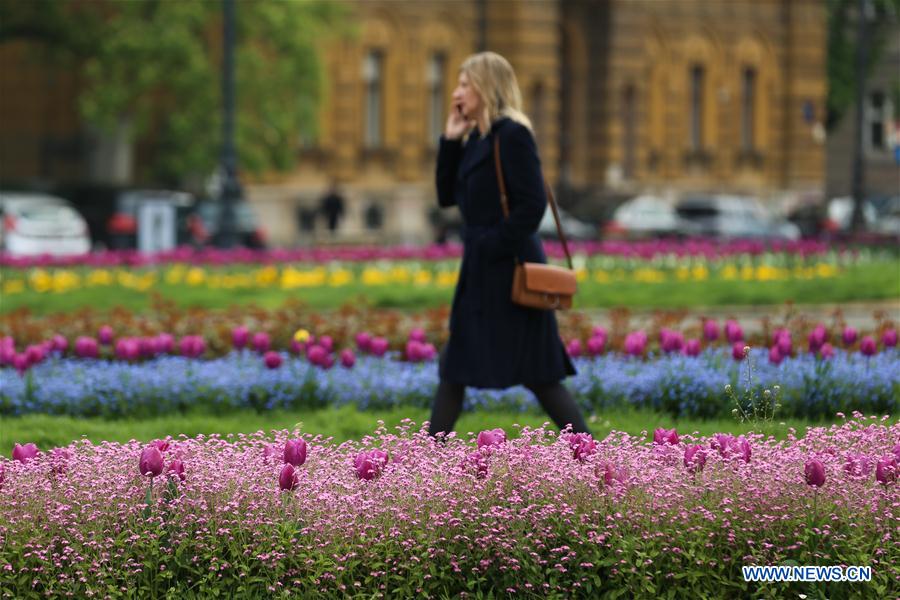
<point>861,315</point>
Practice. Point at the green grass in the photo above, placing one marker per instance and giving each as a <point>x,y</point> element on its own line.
<point>342,424</point>
<point>872,281</point>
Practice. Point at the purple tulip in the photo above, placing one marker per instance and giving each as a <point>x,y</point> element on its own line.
<point>694,458</point>
<point>151,463</point>
<point>165,343</point>
<point>240,337</point>
<point>849,336</point>
<point>858,465</point>
<point>635,343</point>
<point>418,335</point>
<point>105,335</point>
<point>889,338</point>
<point>491,437</point>
<point>369,465</point>
<point>612,474</point>
<point>722,442</point>
<point>817,337</point>
<point>378,346</point>
<point>348,359</point>
<point>127,349</point>
<point>710,330</point>
<point>733,331</point>
<point>665,436</point>
<point>692,347</point>
<point>741,447</point>
<point>288,479</point>
<point>815,472</point>
<point>295,452</point>
<point>671,341</point>
<point>582,445</point>
<point>261,342</point>
<point>161,445</point>
<point>574,348</point>
<point>785,344</point>
<point>87,347</point>
<point>316,355</point>
<point>272,359</point>
<point>24,453</point>
<point>867,346</point>
<point>886,470</point>
<point>595,345</point>
<point>176,469</point>
<point>826,351</point>
<point>738,351</point>
<point>2,473</point>
<point>362,341</point>
<point>192,346</point>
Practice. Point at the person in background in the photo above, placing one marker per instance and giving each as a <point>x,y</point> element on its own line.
<point>332,206</point>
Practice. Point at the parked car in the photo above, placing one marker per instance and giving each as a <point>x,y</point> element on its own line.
<point>839,215</point>
<point>574,228</point>
<point>728,216</point>
<point>250,233</point>
<point>112,213</point>
<point>888,215</point>
<point>35,224</point>
<point>644,216</point>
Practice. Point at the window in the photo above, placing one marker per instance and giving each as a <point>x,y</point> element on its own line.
<point>372,76</point>
<point>696,131</point>
<point>748,100</point>
<point>877,115</point>
<point>436,96</point>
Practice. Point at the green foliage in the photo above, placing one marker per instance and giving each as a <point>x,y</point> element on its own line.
<point>154,68</point>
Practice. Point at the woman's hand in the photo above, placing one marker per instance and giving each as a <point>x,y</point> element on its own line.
<point>457,124</point>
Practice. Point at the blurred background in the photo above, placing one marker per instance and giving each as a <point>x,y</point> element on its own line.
<point>155,124</point>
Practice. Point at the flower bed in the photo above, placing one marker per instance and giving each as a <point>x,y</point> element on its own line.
<point>675,383</point>
<point>400,515</point>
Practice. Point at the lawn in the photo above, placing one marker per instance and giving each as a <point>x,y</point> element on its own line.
<point>343,424</point>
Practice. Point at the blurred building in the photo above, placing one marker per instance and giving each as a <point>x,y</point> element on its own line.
<point>625,96</point>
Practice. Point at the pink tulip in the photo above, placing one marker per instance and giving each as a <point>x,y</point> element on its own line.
<point>362,341</point>
<point>326,342</point>
<point>261,342</point>
<point>24,453</point>
<point>722,442</point>
<point>165,343</point>
<point>418,335</point>
<point>127,349</point>
<point>288,479</point>
<point>428,351</point>
<point>477,461</point>
<point>151,463</point>
<point>348,359</point>
<point>176,469</point>
<point>599,332</point>
<point>35,354</point>
<point>889,338</point>
<point>192,346</point>
<point>710,330</point>
<point>595,345</point>
<point>612,474</point>
<point>378,346</point>
<point>369,465</point>
<point>886,470</point>
<point>574,348</point>
<point>670,341</point>
<point>582,445</point>
<point>867,346</point>
<point>295,452</point>
<point>817,337</point>
<point>737,351</point>
<point>60,343</point>
<point>491,437</point>
<point>161,445</point>
<point>691,347</point>
<point>815,472</point>
<point>87,347</point>
<point>785,344</point>
<point>272,359</point>
<point>665,436</point>
<point>21,363</point>
<point>775,355</point>
<point>413,351</point>
<point>636,343</point>
<point>316,355</point>
<point>105,335</point>
<point>741,447</point>
<point>849,336</point>
<point>240,336</point>
<point>7,355</point>
<point>826,351</point>
<point>858,465</point>
<point>733,331</point>
<point>694,458</point>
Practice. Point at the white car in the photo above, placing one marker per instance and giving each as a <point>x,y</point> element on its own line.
<point>840,213</point>
<point>35,224</point>
<point>644,215</point>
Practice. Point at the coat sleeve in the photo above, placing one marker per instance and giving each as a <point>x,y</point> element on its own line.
<point>525,189</point>
<point>449,155</point>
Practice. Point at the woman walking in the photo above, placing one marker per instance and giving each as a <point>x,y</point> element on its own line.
<point>495,343</point>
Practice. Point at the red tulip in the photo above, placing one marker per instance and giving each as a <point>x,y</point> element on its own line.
<point>295,452</point>
<point>288,479</point>
<point>24,453</point>
<point>815,472</point>
<point>151,463</point>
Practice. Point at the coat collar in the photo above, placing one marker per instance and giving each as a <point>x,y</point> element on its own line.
<point>483,148</point>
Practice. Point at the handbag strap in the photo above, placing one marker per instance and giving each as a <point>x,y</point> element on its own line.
<point>504,200</point>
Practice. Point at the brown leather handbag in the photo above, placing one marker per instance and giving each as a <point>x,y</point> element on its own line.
<point>537,285</point>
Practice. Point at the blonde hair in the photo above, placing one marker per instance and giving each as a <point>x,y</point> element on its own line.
<point>495,81</point>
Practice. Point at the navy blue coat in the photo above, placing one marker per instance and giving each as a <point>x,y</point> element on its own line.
<point>493,342</point>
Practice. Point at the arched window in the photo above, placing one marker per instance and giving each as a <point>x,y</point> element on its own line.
<point>697,106</point>
<point>748,109</point>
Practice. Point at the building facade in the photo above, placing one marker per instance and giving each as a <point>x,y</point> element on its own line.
<point>626,96</point>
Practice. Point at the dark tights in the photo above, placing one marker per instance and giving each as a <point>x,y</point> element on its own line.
<point>553,397</point>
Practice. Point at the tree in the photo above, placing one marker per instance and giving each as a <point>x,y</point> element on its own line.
<point>155,67</point>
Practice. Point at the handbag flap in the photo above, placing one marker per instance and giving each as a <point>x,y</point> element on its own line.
<point>549,279</point>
